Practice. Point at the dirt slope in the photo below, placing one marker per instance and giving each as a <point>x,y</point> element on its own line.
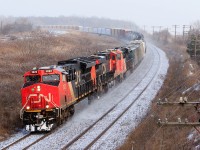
<point>181,76</point>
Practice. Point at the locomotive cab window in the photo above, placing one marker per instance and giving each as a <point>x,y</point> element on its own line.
<point>71,76</point>
<point>96,67</point>
<point>107,57</point>
<point>52,77</point>
<point>64,78</point>
<point>118,56</point>
<point>35,78</point>
<point>113,57</point>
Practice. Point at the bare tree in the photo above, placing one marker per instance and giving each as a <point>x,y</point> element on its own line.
<point>196,25</point>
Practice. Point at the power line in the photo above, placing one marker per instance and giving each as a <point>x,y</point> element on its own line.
<point>184,30</point>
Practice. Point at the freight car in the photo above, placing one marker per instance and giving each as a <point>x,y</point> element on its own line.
<point>115,32</point>
<point>50,93</point>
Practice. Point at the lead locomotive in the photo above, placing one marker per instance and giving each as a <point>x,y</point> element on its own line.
<point>49,93</point>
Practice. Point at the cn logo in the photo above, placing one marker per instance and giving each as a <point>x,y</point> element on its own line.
<point>38,98</point>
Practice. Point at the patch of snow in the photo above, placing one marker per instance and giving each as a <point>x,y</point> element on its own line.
<point>191,66</point>
<point>191,73</point>
<point>13,138</point>
<point>190,136</point>
<point>197,147</point>
<point>195,87</point>
<point>26,142</point>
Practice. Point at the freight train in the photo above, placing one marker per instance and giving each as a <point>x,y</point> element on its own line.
<point>50,93</point>
<point>114,32</point>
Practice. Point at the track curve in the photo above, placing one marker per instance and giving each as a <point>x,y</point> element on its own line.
<point>72,134</point>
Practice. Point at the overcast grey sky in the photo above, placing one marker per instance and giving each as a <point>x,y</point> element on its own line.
<point>142,12</point>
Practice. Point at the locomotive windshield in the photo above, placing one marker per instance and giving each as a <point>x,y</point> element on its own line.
<point>35,78</point>
<point>53,77</point>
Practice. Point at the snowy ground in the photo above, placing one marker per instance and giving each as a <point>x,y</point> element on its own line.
<point>87,114</point>
<point>132,118</point>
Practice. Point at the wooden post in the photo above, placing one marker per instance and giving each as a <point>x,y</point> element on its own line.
<point>195,47</point>
<point>175,34</point>
<point>153,29</point>
<point>1,26</point>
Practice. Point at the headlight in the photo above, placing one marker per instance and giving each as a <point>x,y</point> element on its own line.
<point>28,107</point>
<point>47,106</point>
<point>38,88</point>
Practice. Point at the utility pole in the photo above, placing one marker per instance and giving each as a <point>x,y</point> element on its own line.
<point>159,36</point>
<point>144,28</point>
<point>1,26</point>
<point>168,29</point>
<point>195,47</point>
<point>184,30</point>
<point>153,27</point>
<point>175,34</point>
<point>182,102</point>
<point>160,27</point>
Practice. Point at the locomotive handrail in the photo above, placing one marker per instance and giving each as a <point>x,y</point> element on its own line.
<point>23,109</point>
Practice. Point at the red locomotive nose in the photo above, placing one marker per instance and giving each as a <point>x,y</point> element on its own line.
<point>37,97</point>
<point>36,101</point>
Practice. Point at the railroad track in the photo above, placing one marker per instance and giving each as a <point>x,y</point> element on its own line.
<point>79,137</point>
<point>28,140</point>
<point>93,141</point>
<point>36,141</point>
<point>17,141</point>
<point>112,123</point>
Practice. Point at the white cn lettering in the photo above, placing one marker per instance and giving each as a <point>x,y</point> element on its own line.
<point>40,96</point>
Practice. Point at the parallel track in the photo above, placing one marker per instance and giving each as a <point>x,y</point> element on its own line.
<point>112,123</point>
<point>105,130</point>
<point>38,140</point>
<point>28,136</point>
<point>19,140</point>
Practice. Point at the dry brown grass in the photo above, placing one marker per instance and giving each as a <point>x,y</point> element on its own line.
<point>148,135</point>
<point>19,56</point>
